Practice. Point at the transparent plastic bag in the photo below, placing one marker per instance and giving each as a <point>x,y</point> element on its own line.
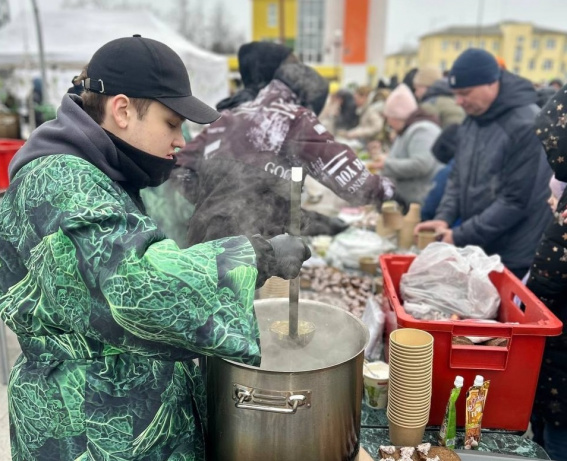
<point>348,247</point>
<point>374,318</point>
<point>445,280</point>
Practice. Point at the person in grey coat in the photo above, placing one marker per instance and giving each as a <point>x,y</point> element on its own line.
<point>499,183</point>
<point>410,163</point>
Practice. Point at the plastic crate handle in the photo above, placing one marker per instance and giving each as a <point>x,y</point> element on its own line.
<point>480,357</point>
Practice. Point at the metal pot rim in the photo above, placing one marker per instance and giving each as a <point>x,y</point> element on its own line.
<point>363,330</point>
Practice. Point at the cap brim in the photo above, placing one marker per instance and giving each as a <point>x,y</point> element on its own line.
<point>191,108</point>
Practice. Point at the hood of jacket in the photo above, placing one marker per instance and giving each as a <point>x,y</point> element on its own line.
<point>439,88</point>
<point>306,83</point>
<point>418,116</point>
<point>73,132</point>
<point>514,92</point>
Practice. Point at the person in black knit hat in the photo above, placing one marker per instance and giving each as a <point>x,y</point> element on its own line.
<point>499,183</point>
<point>257,63</point>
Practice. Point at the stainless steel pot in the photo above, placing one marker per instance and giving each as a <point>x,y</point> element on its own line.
<point>300,404</point>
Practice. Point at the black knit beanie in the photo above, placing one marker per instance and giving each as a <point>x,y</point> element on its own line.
<point>473,67</point>
<point>258,62</point>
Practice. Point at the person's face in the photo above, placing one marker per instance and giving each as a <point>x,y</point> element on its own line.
<point>158,133</point>
<point>359,99</point>
<point>420,91</point>
<point>395,123</point>
<point>475,100</point>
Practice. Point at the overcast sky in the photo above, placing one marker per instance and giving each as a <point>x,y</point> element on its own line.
<point>407,19</point>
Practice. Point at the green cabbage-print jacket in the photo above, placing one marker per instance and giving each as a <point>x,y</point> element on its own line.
<point>109,314</point>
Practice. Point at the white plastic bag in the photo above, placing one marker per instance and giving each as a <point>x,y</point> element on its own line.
<point>445,280</point>
<point>349,246</point>
<point>374,319</point>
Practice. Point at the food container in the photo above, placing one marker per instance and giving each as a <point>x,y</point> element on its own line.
<point>300,403</point>
<point>8,148</point>
<point>369,264</point>
<point>376,384</point>
<point>512,369</point>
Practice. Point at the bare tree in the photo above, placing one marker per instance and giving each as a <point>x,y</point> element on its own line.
<point>187,16</point>
<point>190,18</point>
<point>222,37</point>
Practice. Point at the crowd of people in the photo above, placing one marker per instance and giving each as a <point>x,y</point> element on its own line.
<point>112,310</point>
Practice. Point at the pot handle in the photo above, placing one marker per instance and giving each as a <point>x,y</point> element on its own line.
<point>283,402</point>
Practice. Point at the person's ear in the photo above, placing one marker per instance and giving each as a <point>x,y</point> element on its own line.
<point>121,110</point>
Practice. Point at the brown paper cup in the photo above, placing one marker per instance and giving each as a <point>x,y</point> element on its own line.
<point>393,219</point>
<point>368,264</point>
<point>401,352</point>
<point>275,287</point>
<point>411,338</point>
<point>412,364</point>
<point>416,381</point>
<point>406,436</point>
<point>410,418</point>
<point>425,237</point>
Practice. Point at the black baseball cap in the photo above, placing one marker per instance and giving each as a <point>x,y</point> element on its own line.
<point>144,68</point>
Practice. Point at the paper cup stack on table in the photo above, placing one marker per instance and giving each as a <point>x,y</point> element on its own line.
<point>392,216</point>
<point>275,287</point>
<point>409,386</point>
<point>409,221</point>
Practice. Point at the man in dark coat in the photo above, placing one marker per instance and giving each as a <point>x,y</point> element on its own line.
<point>548,281</point>
<point>499,183</point>
<point>243,161</point>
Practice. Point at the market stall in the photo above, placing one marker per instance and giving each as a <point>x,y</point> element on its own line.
<point>345,273</point>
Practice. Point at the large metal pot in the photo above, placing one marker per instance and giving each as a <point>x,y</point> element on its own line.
<point>300,404</point>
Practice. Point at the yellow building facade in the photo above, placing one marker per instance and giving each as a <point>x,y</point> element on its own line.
<point>322,34</point>
<point>399,64</point>
<point>536,53</point>
<point>267,20</point>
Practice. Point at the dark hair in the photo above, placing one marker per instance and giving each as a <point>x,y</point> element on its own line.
<point>94,104</point>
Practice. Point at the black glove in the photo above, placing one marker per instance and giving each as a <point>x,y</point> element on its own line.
<point>281,256</point>
<point>289,252</point>
<point>404,206</point>
<point>338,226</point>
<point>313,223</point>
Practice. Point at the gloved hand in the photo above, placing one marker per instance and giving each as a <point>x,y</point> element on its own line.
<point>404,206</point>
<point>289,252</point>
<point>338,226</point>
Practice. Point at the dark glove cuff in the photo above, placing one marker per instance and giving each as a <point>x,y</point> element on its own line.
<point>265,258</point>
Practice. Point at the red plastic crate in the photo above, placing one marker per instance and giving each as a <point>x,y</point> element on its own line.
<point>8,148</point>
<point>512,370</point>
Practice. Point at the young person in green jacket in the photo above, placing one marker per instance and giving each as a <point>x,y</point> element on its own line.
<point>109,313</point>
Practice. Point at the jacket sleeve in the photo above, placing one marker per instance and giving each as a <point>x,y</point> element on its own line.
<point>547,274</point>
<point>333,164</point>
<point>435,195</point>
<point>108,274</point>
<point>522,163</point>
<point>419,160</point>
<point>448,209</point>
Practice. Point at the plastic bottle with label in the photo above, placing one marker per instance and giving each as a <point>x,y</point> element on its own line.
<point>448,431</point>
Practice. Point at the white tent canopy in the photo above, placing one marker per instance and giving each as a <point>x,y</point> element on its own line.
<point>71,36</point>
